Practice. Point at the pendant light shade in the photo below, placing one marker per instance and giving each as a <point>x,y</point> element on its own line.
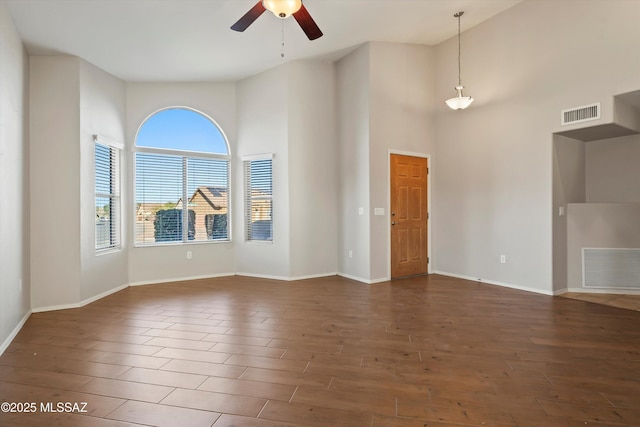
<point>282,8</point>
<point>459,102</point>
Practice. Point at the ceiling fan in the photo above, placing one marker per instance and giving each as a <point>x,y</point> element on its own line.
<point>282,9</point>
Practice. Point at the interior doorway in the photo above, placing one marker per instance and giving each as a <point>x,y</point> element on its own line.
<point>409,215</point>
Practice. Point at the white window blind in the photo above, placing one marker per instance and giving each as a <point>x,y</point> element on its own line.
<point>107,192</point>
<point>258,199</point>
<point>165,183</point>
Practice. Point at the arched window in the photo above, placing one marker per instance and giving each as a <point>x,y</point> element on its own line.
<point>182,179</point>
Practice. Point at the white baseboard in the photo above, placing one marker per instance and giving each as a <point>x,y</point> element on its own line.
<point>180,279</point>
<point>81,303</point>
<point>13,333</point>
<point>492,282</point>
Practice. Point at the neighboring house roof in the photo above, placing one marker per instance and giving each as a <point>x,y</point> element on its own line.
<point>216,197</point>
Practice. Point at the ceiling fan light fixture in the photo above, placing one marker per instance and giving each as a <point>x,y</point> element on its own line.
<point>459,102</point>
<point>282,8</point>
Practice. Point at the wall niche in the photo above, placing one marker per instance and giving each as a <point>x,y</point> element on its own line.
<point>596,201</point>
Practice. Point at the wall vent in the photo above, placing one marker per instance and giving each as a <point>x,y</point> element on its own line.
<point>605,268</point>
<point>580,114</point>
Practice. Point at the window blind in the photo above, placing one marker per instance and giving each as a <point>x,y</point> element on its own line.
<point>180,199</point>
<point>107,196</point>
<point>258,200</point>
<point>208,188</point>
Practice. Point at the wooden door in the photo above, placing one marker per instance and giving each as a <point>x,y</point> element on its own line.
<point>409,216</point>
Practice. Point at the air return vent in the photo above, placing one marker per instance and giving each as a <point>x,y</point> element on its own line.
<point>580,114</point>
<point>605,268</point>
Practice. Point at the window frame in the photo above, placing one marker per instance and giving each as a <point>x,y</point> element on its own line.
<point>184,156</point>
<point>114,196</point>
<point>248,198</point>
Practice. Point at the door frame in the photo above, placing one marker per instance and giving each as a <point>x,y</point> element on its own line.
<point>429,208</point>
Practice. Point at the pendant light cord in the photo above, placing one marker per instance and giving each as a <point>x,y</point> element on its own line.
<point>458,15</point>
<point>282,49</point>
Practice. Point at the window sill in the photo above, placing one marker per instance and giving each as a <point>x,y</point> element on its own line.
<point>173,244</point>
<point>100,252</point>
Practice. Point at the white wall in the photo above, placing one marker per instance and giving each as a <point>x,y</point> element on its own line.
<point>493,181</point>
<point>263,128</point>
<point>626,110</point>
<point>353,108</point>
<point>568,187</point>
<point>612,172</point>
<point>217,100</point>
<point>288,111</point>
<point>14,181</point>
<point>313,178</point>
<point>70,100</point>
<point>102,112</point>
<point>54,123</point>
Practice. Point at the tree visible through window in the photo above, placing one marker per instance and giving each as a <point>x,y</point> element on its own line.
<point>182,179</point>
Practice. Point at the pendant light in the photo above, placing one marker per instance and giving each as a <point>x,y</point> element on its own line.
<point>460,102</point>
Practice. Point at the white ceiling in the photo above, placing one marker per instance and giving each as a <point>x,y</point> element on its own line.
<point>190,40</point>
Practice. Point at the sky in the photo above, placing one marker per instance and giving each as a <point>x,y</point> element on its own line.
<point>181,129</point>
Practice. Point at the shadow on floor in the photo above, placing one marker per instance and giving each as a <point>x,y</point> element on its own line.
<point>630,302</point>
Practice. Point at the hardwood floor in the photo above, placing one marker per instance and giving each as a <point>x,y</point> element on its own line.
<point>431,351</point>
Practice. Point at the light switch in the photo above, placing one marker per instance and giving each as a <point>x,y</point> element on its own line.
<point>360,211</point>
<point>378,211</point>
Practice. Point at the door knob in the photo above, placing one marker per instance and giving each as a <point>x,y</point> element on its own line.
<point>393,223</point>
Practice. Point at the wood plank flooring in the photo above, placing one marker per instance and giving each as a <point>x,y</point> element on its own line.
<point>430,351</point>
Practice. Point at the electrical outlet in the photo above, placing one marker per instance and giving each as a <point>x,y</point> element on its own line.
<point>350,253</point>
<point>503,259</point>
<point>189,254</point>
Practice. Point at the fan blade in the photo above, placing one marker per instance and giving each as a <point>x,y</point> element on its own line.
<point>307,23</point>
<point>248,18</point>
